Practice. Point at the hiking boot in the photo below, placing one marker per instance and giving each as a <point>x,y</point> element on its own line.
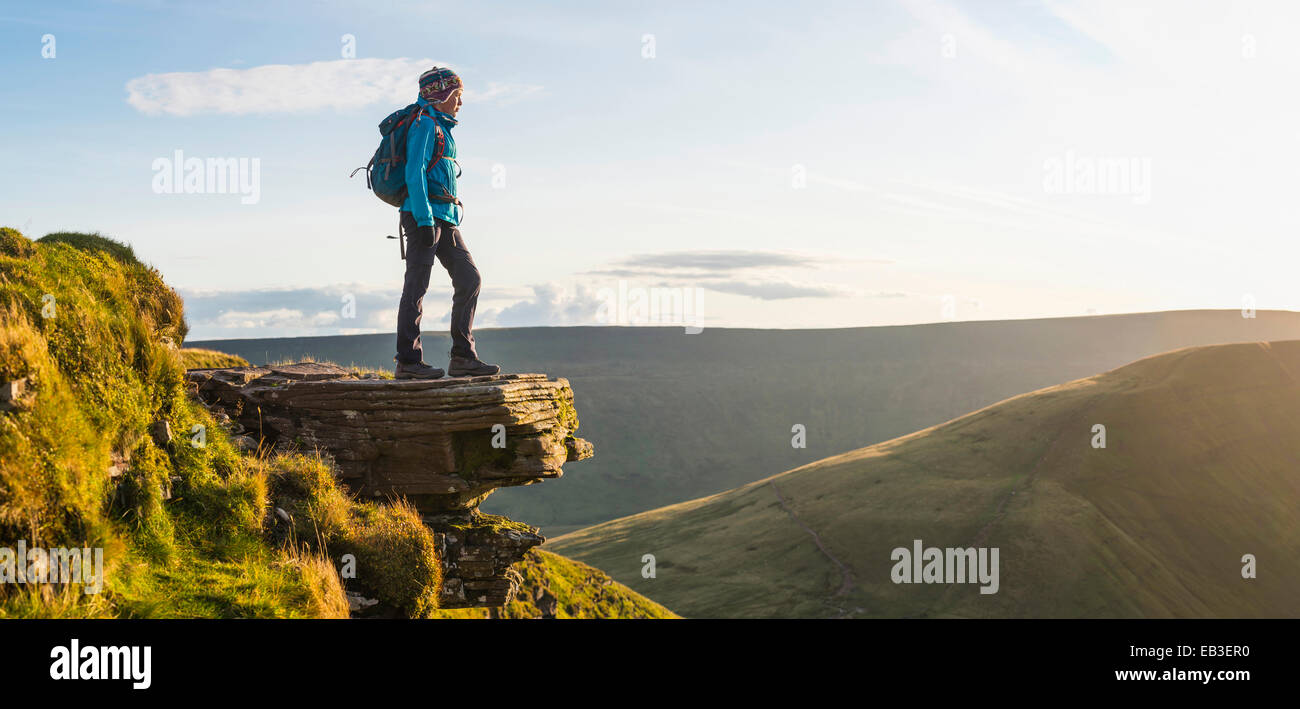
<point>418,370</point>
<point>470,367</point>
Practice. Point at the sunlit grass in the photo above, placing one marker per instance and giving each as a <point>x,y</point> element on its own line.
<point>93,336</point>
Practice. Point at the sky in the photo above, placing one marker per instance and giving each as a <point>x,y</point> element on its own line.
<point>746,164</point>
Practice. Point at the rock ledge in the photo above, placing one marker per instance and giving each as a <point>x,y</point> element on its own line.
<point>444,444</point>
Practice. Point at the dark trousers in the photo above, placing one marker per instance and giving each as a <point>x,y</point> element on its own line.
<point>448,248</point>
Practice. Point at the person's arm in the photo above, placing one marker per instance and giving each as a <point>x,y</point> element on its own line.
<point>417,161</point>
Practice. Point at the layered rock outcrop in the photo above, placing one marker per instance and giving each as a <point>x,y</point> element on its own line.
<point>445,445</point>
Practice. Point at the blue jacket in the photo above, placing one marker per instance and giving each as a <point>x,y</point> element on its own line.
<point>420,143</point>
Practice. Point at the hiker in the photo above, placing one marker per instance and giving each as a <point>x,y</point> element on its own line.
<point>430,217</point>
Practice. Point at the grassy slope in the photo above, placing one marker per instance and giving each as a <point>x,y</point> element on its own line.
<point>1199,469</point>
<point>581,591</point>
<point>675,417</point>
<point>93,333</point>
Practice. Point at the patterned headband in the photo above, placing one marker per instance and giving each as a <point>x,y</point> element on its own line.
<point>438,83</point>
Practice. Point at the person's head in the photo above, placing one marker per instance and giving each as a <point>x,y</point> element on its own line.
<point>452,105</point>
<point>442,89</point>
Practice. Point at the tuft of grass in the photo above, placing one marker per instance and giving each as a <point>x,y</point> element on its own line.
<point>199,358</point>
<point>396,557</point>
<point>94,242</point>
<point>395,553</point>
<point>13,243</point>
<point>362,372</point>
<point>326,596</point>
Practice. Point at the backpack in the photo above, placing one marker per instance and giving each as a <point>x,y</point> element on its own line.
<point>386,171</point>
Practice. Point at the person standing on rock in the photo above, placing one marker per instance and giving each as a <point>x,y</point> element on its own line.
<point>430,218</point>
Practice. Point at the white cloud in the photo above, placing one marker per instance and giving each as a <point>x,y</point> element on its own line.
<point>382,319</point>
<point>499,92</point>
<point>781,289</point>
<point>279,318</point>
<point>277,88</point>
<point>291,312</point>
<point>551,304</point>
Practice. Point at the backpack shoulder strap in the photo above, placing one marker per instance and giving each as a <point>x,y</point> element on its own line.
<point>439,145</point>
<point>412,117</point>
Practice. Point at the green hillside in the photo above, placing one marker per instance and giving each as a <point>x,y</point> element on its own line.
<point>677,416</point>
<point>101,447</point>
<point>1199,469</point>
